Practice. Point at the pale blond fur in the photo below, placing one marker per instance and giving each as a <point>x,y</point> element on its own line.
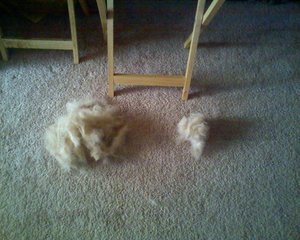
<point>193,129</point>
<point>90,129</point>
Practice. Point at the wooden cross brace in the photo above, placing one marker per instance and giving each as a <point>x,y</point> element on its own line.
<point>183,81</point>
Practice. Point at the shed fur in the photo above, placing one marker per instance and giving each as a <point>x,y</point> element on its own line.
<point>90,129</point>
<point>193,129</point>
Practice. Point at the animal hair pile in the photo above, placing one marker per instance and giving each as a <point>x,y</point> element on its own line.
<point>90,129</point>
<point>193,129</point>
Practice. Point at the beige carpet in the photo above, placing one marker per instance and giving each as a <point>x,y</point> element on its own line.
<point>246,81</point>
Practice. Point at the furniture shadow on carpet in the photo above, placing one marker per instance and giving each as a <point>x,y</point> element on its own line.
<point>146,138</point>
<point>129,89</point>
<point>209,89</point>
<point>208,45</point>
<point>88,57</point>
<point>227,131</point>
<point>132,90</point>
<point>200,90</point>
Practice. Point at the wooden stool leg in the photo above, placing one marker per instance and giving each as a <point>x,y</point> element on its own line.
<point>102,12</point>
<point>208,16</point>
<point>110,46</point>
<point>193,49</point>
<point>73,30</point>
<point>84,6</point>
<point>2,48</point>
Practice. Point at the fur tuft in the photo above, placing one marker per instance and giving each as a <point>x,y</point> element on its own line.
<point>90,129</point>
<point>193,129</point>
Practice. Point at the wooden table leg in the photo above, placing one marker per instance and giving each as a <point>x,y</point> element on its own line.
<point>84,6</point>
<point>193,48</point>
<point>73,30</point>
<point>2,48</point>
<point>102,12</point>
<point>208,16</point>
<point>110,46</point>
<point>153,80</point>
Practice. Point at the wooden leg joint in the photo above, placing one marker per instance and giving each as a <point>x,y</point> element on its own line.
<point>153,80</point>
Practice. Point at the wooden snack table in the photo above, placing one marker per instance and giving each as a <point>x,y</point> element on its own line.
<point>183,81</point>
<point>69,44</point>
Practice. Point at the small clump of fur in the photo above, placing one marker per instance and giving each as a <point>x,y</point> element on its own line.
<point>194,129</point>
<point>90,129</point>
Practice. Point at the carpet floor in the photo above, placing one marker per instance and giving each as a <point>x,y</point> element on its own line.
<point>246,83</point>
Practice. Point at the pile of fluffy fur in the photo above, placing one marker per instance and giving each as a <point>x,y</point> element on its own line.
<point>90,129</point>
<point>193,129</point>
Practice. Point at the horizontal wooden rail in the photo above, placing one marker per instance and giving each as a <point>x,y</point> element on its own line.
<point>150,80</point>
<point>38,44</point>
<point>153,80</point>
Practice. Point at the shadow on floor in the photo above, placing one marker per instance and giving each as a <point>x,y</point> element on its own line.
<point>225,131</point>
<point>210,89</point>
<point>146,136</point>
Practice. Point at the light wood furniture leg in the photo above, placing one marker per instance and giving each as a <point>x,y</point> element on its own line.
<point>45,43</point>
<point>152,80</point>
<point>110,46</point>
<point>84,7</point>
<point>193,49</point>
<point>208,16</point>
<point>73,30</point>
<point>2,48</point>
<point>102,12</point>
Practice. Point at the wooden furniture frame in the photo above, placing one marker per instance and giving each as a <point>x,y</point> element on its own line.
<point>47,43</point>
<point>208,16</point>
<point>152,80</point>
<point>84,6</point>
<point>158,80</point>
<point>102,12</point>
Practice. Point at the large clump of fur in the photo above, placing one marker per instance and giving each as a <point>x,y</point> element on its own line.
<point>193,129</point>
<point>90,129</point>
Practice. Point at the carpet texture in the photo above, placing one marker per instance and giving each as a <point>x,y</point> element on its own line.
<point>245,81</point>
